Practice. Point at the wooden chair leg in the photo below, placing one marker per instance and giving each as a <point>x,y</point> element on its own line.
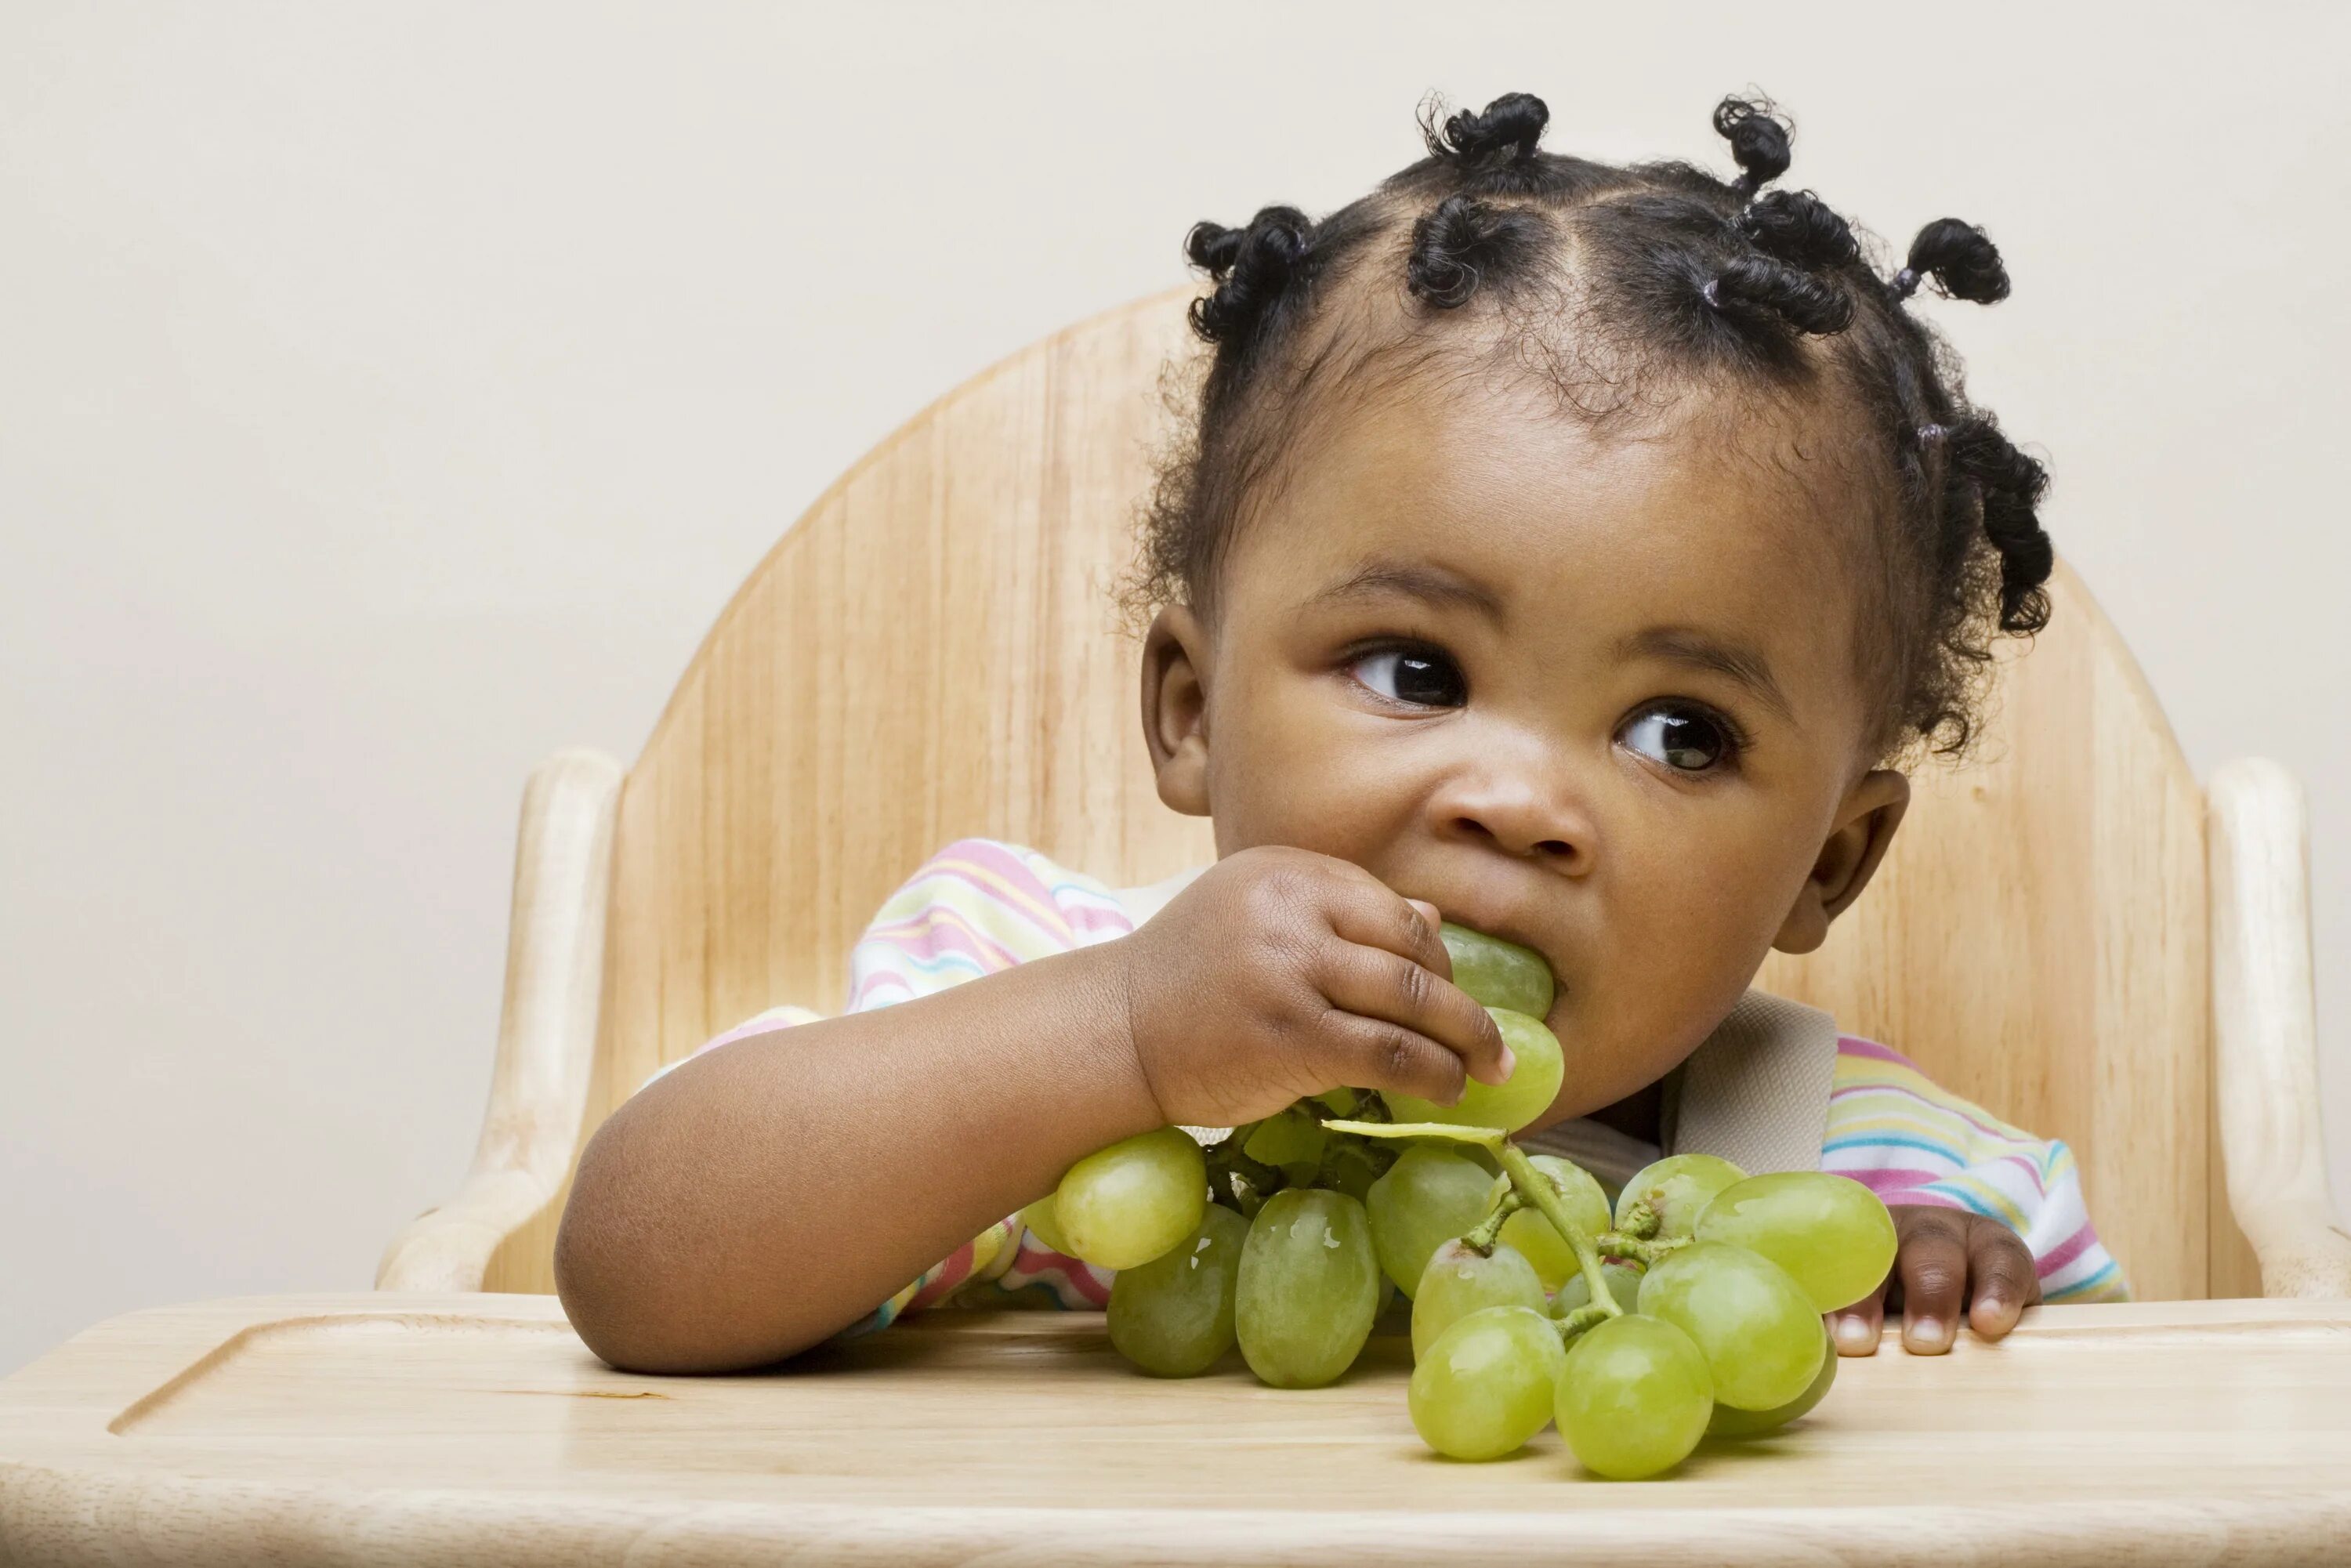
<point>547,1028</point>
<point>2265,1031</point>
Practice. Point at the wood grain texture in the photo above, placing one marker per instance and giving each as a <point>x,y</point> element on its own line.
<point>365,1430</point>
<point>547,1029</point>
<point>2267,1031</point>
<point>932,650</point>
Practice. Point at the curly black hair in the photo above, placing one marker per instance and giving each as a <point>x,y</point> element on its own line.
<point>1623,286</point>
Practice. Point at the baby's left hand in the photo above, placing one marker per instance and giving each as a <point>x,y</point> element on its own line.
<point>1945,1261</point>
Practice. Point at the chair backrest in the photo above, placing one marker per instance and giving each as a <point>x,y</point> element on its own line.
<point>933,650</point>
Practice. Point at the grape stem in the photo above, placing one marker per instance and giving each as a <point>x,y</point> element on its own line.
<point>1641,1250</point>
<point>1640,1220</point>
<point>1536,1188</point>
<point>1484,1137</point>
<point>1489,1229</point>
<point>1531,1186</point>
<point>1572,1326</point>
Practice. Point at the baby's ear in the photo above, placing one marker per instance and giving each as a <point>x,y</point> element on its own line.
<point>1866,819</point>
<point>1176,708</point>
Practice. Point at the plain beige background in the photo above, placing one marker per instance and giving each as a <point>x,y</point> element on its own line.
<point>391,394</point>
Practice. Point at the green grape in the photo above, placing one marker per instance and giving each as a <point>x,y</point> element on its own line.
<point>1127,1204</point>
<point>1678,1188</point>
<point>1458,1281</point>
<point>1829,1231</point>
<point>1526,1093</point>
<point>1755,1325</point>
<point>1731,1423</point>
<point>1173,1316</point>
<point>1624,1284</point>
<point>1292,1138</point>
<point>1430,1194</point>
<point>1633,1397</point>
<point>1485,1386</point>
<point>1498,974</point>
<point>1539,1240</point>
<point>1038,1218</point>
<point>1309,1288</point>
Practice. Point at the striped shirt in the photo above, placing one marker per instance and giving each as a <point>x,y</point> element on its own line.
<point>979,906</point>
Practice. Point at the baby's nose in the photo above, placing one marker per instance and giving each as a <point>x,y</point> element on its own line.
<point>1531,819</point>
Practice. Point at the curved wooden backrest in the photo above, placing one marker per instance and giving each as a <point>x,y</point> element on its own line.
<point>932,652</point>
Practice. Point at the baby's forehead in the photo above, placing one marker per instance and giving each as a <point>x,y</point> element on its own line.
<point>1715,516</point>
<point>1753,488</point>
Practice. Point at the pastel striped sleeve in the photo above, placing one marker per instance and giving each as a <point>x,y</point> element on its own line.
<point>1911,1142</point>
<point>978,908</point>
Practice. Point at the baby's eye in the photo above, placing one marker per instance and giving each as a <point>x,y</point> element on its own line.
<point>1421,677</point>
<point>1682,736</point>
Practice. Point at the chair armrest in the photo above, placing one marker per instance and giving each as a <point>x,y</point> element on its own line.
<point>2265,1033</point>
<point>547,1029</point>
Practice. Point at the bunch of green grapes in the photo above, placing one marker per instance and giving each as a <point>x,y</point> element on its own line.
<point>1691,1305</point>
<point>1695,1308</point>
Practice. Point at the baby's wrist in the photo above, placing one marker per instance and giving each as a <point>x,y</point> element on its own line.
<point>1115,1057</point>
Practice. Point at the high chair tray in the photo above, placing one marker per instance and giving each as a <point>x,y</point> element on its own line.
<point>380,1429</point>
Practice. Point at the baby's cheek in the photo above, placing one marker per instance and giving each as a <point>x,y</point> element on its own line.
<point>1284,779</point>
<point>1675,954</point>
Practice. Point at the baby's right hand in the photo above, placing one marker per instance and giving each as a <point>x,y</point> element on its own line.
<point>1281,973</point>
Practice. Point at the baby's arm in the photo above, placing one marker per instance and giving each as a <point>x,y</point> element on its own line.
<point>769,1193</point>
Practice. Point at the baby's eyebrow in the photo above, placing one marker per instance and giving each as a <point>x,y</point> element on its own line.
<point>1430,584</point>
<point>1700,650</point>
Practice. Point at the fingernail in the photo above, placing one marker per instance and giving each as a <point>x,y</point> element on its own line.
<point>1930,1332</point>
<point>1853,1335</point>
<point>1510,1064</point>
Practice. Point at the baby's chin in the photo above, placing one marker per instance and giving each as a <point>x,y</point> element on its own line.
<point>1567,1108</point>
<point>1596,1076</point>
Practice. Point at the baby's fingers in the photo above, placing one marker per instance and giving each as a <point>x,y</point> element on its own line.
<point>2003,1276</point>
<point>1373,1054</point>
<point>1856,1330</point>
<point>1931,1262</point>
<point>1379,986</point>
<point>1362,909</point>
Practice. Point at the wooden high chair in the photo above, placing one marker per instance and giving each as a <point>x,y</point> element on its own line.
<point>2069,931</point>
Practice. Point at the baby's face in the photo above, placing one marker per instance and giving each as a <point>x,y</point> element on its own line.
<point>1594,695</point>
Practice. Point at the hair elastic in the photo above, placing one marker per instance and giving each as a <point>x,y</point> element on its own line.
<point>1905,284</point>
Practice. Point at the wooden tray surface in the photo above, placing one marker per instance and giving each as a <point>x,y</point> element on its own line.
<point>370,1429</point>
